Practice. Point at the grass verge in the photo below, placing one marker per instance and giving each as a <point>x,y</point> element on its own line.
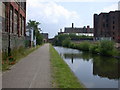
<point>62,76</point>
<point>18,54</point>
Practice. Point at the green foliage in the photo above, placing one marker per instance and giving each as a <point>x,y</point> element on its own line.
<point>16,55</point>
<point>77,37</point>
<point>107,47</point>
<point>34,25</point>
<point>39,39</point>
<point>66,42</point>
<point>84,46</point>
<point>4,55</point>
<point>94,48</point>
<point>59,39</point>
<point>27,43</point>
<point>104,47</point>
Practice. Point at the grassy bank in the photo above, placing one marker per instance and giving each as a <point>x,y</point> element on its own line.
<point>16,55</point>
<point>63,77</point>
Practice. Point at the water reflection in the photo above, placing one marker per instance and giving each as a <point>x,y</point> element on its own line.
<point>93,71</point>
<point>102,66</point>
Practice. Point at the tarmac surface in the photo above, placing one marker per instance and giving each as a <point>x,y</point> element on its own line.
<point>32,71</point>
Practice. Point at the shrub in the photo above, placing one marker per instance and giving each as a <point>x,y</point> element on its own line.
<point>94,48</point>
<point>106,47</point>
<point>84,46</point>
<point>27,43</point>
<point>66,42</point>
<point>72,45</point>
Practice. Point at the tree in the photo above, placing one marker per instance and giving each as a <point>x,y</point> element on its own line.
<point>58,40</point>
<point>34,25</point>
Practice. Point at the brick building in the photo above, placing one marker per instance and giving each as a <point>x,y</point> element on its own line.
<point>107,26</point>
<point>45,37</point>
<point>12,24</point>
<point>87,31</point>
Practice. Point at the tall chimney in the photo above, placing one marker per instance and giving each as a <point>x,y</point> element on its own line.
<point>88,27</point>
<point>72,25</point>
<point>60,30</point>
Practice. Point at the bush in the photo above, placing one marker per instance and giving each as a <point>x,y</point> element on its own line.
<point>39,39</point>
<point>94,48</point>
<point>58,40</point>
<point>84,46</point>
<point>107,47</point>
<point>27,43</point>
<point>66,43</point>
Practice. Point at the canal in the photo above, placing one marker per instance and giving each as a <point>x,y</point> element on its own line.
<point>94,71</point>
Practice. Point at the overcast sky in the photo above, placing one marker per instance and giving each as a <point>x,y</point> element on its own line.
<point>56,14</point>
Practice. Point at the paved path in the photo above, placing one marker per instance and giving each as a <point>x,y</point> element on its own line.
<point>32,71</point>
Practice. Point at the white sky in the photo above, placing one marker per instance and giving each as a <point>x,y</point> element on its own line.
<point>61,13</point>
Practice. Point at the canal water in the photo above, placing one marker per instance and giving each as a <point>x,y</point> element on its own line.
<point>94,71</point>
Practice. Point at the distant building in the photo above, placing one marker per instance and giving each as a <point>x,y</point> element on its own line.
<point>12,24</point>
<point>45,37</point>
<point>107,26</point>
<point>87,31</point>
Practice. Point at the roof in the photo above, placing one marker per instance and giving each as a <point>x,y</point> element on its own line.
<point>78,30</point>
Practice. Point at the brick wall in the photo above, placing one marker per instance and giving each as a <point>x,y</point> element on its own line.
<point>15,41</point>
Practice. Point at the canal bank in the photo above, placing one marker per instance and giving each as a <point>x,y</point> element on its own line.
<point>94,71</point>
<point>62,76</point>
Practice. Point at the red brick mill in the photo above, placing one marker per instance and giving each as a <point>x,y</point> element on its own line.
<point>107,25</point>
<point>12,24</point>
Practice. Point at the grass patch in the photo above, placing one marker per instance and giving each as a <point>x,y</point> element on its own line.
<point>17,55</point>
<point>63,77</point>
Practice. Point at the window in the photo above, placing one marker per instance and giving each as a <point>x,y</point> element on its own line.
<point>23,26</point>
<point>11,19</point>
<point>113,22</point>
<point>0,16</point>
<point>20,25</point>
<point>106,25</point>
<point>3,17</point>
<point>15,22</point>
<point>113,27</point>
<point>103,25</point>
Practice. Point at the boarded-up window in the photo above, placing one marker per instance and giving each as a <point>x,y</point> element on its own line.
<point>15,22</point>
<point>20,25</point>
<point>11,19</point>
<point>0,16</point>
<point>3,17</point>
<point>23,26</point>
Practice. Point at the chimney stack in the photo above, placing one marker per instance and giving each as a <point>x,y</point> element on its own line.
<point>72,25</point>
<point>60,30</point>
<point>88,27</point>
